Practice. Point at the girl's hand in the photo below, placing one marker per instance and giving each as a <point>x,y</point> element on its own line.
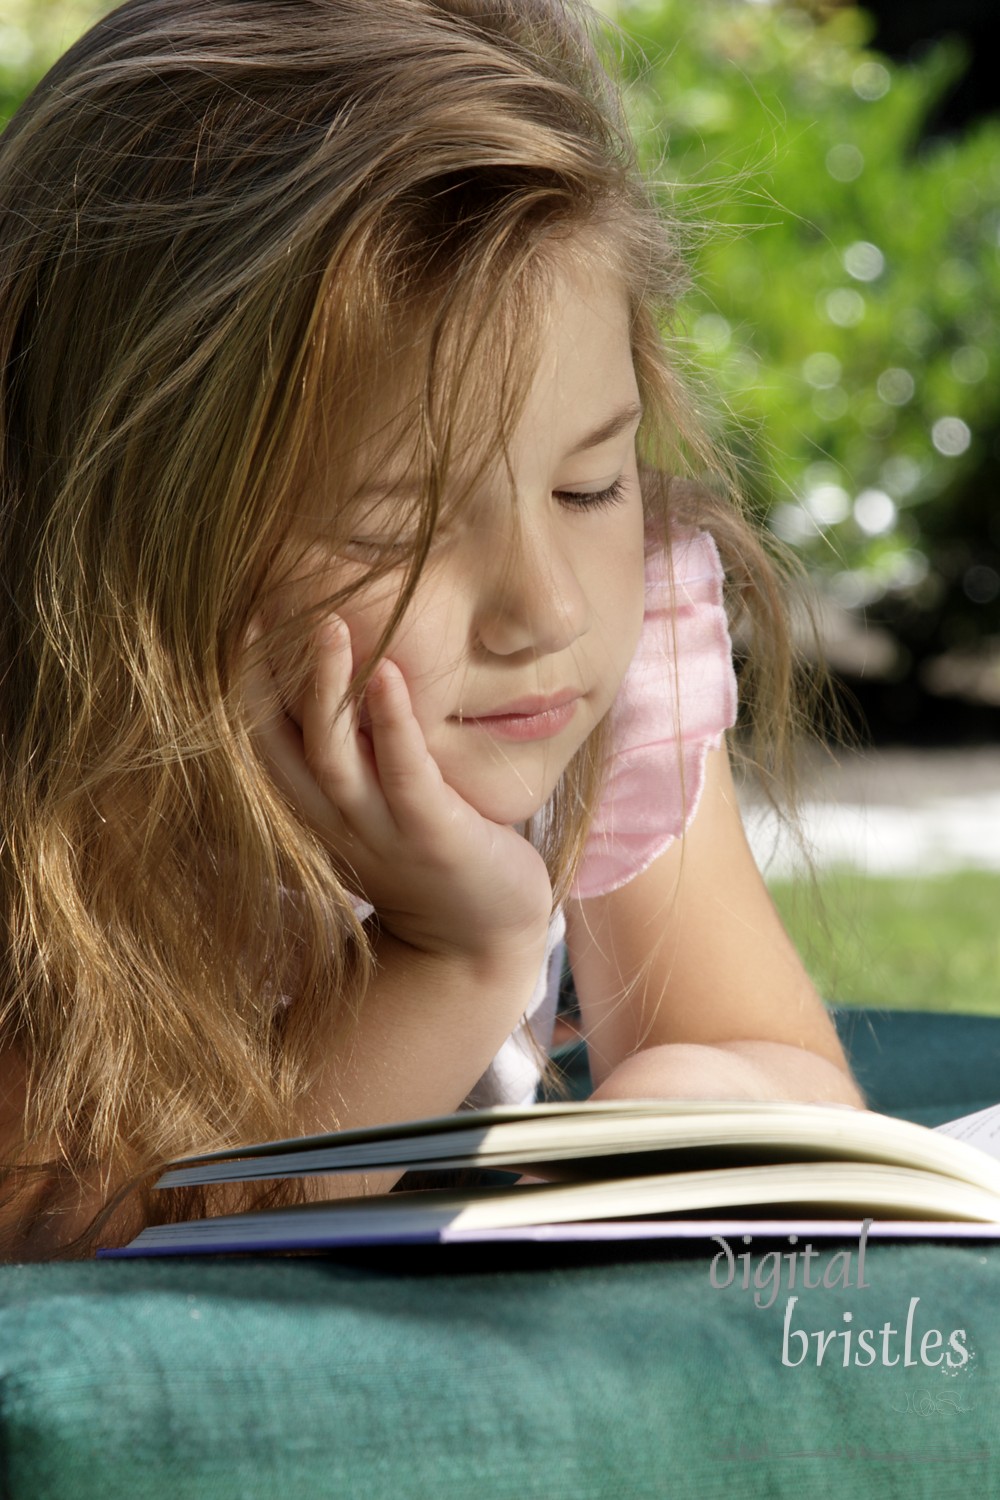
<point>441,877</point>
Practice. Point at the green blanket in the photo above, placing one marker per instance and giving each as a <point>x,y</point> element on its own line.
<point>481,1372</point>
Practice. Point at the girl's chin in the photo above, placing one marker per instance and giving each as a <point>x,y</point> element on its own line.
<point>508,793</point>
<point>509,806</point>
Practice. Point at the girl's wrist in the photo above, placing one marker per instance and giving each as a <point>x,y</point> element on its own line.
<point>485,957</point>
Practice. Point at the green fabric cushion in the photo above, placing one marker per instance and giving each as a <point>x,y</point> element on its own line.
<point>922,1066</point>
<point>252,1380</point>
<point>501,1371</point>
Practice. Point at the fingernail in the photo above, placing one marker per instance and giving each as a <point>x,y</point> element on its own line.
<point>382,677</point>
<point>335,633</point>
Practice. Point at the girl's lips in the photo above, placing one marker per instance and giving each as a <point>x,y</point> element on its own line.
<point>527,719</point>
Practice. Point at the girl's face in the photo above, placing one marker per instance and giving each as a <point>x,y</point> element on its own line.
<point>528,610</point>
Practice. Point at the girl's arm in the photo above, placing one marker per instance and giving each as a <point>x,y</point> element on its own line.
<point>462,904</point>
<point>689,986</point>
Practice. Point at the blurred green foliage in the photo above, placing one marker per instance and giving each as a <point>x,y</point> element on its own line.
<point>847,280</point>
<point>848,288</point>
<point>33,33</point>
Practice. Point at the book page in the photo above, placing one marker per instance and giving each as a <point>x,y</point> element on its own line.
<point>610,1140</point>
<point>981,1129</point>
<point>845,1190</point>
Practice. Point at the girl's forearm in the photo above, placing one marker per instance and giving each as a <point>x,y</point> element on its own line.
<point>730,1070</point>
<point>435,1023</point>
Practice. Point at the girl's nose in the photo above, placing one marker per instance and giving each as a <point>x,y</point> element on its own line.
<point>532,600</point>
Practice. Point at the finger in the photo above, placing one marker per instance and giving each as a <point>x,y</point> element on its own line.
<point>408,775</point>
<point>327,714</point>
<point>336,751</point>
<point>269,723</point>
<point>280,743</point>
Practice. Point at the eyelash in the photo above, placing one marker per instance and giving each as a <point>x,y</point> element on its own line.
<point>592,499</point>
<point>614,494</point>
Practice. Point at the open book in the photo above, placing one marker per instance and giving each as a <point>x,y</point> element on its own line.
<point>612,1169</point>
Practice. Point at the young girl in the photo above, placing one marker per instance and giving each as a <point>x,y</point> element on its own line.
<point>360,635</point>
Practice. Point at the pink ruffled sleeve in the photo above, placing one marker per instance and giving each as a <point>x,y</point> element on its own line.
<point>677,699</point>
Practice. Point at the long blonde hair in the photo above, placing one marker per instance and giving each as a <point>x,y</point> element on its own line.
<point>224,225</point>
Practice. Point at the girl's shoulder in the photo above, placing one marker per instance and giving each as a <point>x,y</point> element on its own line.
<point>678,698</point>
<point>686,568</point>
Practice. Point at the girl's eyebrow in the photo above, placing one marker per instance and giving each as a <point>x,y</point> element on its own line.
<point>609,429</point>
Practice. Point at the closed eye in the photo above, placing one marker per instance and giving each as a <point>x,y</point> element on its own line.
<point>593,499</point>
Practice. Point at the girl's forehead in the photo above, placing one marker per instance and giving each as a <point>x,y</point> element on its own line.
<point>457,401</point>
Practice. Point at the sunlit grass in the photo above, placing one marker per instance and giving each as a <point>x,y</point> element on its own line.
<point>928,943</point>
